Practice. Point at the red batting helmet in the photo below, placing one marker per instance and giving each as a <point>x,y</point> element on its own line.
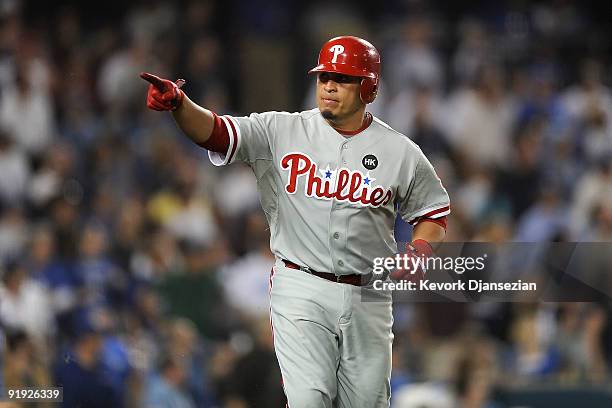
<point>353,56</point>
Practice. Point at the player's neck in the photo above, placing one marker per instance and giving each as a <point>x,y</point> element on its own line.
<point>352,125</point>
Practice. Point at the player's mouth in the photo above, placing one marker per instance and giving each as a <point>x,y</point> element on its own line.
<point>328,101</point>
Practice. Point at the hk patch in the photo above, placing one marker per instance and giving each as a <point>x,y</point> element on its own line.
<point>370,162</point>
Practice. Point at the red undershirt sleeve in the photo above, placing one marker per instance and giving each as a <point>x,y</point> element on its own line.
<point>442,221</point>
<point>219,139</point>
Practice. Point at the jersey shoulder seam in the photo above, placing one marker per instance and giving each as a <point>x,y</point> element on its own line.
<point>303,115</point>
<point>308,113</point>
<point>395,133</point>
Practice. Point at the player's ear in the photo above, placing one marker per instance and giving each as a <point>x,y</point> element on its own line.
<point>369,88</point>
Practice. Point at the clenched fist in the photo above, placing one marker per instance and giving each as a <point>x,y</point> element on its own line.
<point>163,94</point>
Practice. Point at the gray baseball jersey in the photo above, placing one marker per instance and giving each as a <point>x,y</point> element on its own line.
<point>331,203</point>
<point>331,200</point>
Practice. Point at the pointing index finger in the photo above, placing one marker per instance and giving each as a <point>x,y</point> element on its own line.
<point>156,81</point>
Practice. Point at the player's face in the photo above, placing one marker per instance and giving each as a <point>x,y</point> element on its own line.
<point>338,96</point>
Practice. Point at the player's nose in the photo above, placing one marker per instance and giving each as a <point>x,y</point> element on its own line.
<point>330,85</point>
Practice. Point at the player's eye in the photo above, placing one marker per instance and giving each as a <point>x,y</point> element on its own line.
<point>324,77</point>
<point>338,78</point>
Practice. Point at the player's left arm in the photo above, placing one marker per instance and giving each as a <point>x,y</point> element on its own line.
<point>426,206</point>
<point>432,232</point>
<point>427,234</point>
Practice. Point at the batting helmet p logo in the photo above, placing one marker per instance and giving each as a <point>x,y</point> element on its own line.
<point>337,49</point>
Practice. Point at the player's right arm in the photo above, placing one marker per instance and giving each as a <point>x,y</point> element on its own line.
<point>164,95</point>
<point>225,137</point>
<point>195,121</point>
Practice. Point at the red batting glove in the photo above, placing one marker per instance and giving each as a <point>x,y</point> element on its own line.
<point>163,94</point>
<point>419,248</point>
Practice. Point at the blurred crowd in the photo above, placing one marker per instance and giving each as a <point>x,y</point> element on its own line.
<point>135,273</point>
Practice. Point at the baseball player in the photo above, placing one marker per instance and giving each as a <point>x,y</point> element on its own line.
<point>331,181</point>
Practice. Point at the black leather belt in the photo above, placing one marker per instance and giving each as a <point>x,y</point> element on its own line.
<point>354,279</point>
